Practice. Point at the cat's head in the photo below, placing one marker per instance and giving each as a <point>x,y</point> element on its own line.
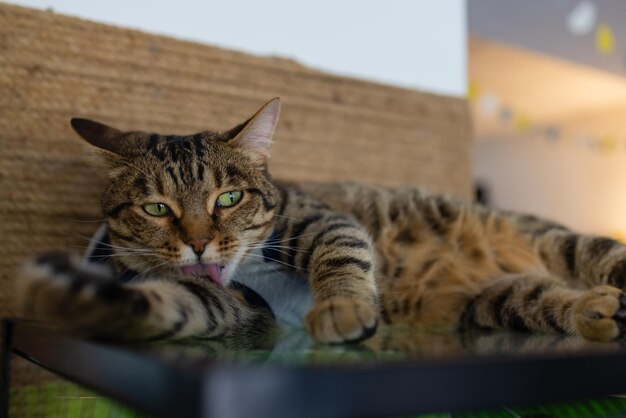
<point>195,204</point>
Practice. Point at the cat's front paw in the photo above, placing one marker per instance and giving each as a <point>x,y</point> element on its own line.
<point>600,314</point>
<point>57,288</point>
<point>342,320</point>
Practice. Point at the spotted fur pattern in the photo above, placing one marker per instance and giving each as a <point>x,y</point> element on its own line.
<point>398,255</point>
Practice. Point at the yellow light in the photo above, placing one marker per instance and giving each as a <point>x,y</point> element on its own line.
<point>620,236</point>
<point>522,123</point>
<point>604,39</point>
<point>472,91</point>
<point>608,144</point>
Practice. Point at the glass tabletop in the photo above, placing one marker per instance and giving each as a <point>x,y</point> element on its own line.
<point>293,346</point>
<point>399,371</point>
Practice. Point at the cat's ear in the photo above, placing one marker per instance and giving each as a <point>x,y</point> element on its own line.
<point>255,137</point>
<point>124,144</point>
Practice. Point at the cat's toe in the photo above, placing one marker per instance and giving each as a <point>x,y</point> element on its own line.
<point>38,276</point>
<point>58,261</point>
<point>58,287</point>
<point>342,320</point>
<point>64,270</point>
<point>600,314</point>
<point>620,318</point>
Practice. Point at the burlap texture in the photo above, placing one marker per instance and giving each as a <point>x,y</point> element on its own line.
<point>54,67</point>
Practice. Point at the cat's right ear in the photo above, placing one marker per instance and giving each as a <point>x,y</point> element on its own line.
<point>107,138</point>
<point>254,136</point>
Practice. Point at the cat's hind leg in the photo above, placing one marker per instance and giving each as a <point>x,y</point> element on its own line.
<point>59,289</point>
<point>531,302</point>
<point>583,260</point>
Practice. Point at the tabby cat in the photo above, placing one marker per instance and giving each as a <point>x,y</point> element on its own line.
<point>187,213</point>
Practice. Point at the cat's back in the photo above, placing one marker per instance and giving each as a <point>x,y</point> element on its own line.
<point>344,196</point>
<point>377,207</point>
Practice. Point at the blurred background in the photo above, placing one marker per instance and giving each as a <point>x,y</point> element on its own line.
<point>548,93</point>
<point>545,79</point>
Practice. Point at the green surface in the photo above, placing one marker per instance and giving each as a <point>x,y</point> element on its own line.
<point>67,400</point>
<point>601,407</point>
<point>63,400</point>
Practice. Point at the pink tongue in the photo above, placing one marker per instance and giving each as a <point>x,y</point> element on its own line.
<point>211,270</point>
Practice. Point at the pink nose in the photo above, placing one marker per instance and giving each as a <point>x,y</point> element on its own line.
<point>198,245</point>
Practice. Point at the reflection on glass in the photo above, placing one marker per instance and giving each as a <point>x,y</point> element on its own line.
<point>389,344</point>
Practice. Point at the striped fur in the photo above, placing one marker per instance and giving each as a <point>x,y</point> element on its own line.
<point>398,254</point>
<point>447,263</point>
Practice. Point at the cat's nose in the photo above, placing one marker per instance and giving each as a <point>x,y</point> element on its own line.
<point>198,245</point>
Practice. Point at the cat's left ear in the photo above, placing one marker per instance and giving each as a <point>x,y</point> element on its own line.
<point>125,144</point>
<point>255,138</point>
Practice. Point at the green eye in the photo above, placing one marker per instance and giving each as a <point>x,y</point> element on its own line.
<point>157,209</point>
<point>228,199</point>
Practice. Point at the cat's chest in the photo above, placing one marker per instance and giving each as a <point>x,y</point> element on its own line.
<point>286,292</point>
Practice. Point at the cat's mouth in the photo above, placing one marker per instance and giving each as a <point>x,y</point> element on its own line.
<point>213,270</point>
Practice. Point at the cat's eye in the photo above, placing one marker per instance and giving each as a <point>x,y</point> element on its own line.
<point>228,199</point>
<point>157,209</point>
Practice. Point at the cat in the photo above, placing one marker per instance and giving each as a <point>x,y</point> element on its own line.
<point>187,213</point>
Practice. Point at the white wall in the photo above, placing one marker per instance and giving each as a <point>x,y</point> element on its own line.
<point>581,188</point>
<point>414,43</point>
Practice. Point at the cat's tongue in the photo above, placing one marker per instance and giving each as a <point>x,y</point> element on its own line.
<point>212,270</point>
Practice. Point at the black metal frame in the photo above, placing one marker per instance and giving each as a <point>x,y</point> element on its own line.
<point>5,368</point>
<point>148,383</point>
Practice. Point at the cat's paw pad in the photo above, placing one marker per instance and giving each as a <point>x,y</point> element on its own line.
<point>600,314</point>
<point>58,287</point>
<point>342,320</point>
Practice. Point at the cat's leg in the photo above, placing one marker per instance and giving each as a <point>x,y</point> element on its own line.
<point>336,255</point>
<point>340,267</point>
<point>583,260</point>
<point>530,302</point>
<point>58,289</point>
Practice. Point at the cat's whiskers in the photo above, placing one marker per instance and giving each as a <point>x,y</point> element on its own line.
<point>281,273</point>
<point>275,248</point>
<point>119,255</point>
<point>77,235</point>
<point>273,241</point>
<point>262,247</point>
<point>112,246</point>
<point>254,245</point>
<point>298,250</point>
<point>144,256</point>
<point>151,269</point>
<point>119,250</point>
<point>85,238</point>
<point>272,259</point>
